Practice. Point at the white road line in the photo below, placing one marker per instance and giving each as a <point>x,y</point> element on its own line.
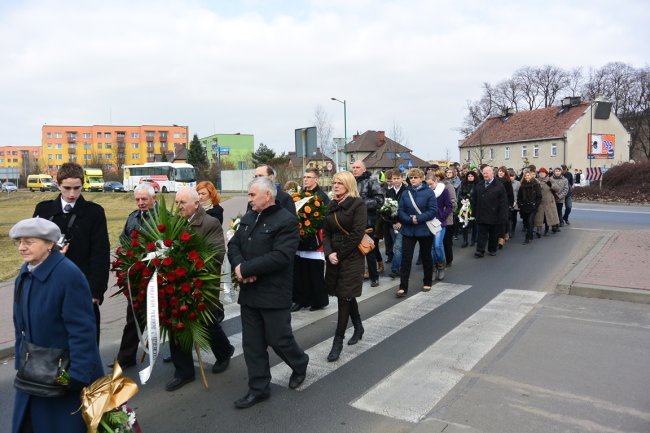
<point>610,210</point>
<point>413,390</point>
<point>301,318</point>
<point>378,328</point>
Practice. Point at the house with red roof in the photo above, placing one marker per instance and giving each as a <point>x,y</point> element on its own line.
<point>577,134</point>
<point>379,152</point>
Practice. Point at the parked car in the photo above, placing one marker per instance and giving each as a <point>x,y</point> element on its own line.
<point>153,183</point>
<point>113,186</point>
<point>9,187</point>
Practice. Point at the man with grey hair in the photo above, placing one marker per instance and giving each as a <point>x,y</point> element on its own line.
<point>187,203</point>
<point>145,200</point>
<point>261,252</point>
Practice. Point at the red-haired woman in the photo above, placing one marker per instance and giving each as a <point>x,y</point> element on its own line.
<point>209,199</point>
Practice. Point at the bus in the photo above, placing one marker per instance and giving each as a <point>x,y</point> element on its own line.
<point>164,176</point>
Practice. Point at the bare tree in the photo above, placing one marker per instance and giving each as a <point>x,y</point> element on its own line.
<point>397,134</point>
<point>324,128</point>
<point>508,94</point>
<point>527,83</point>
<point>575,81</point>
<point>550,81</point>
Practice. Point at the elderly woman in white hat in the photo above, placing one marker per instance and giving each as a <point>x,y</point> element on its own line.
<point>52,309</point>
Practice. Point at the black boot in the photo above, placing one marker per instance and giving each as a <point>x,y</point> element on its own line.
<point>337,346</point>
<point>358,331</point>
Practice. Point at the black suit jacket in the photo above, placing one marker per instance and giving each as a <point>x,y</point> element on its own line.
<point>89,246</point>
<point>491,203</point>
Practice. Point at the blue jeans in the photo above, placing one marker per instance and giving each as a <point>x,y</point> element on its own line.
<point>438,249</point>
<point>397,253</point>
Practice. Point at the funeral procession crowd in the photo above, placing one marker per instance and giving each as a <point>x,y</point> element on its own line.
<point>330,240</point>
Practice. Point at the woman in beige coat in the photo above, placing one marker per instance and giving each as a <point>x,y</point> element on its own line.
<point>547,211</point>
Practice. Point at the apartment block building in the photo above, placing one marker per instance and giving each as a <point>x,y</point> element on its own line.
<point>25,158</point>
<point>109,146</point>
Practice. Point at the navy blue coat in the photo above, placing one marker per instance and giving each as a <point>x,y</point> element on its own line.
<point>54,315</point>
<point>426,201</point>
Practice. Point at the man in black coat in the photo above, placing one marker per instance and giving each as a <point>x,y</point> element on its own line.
<point>260,252</point>
<point>83,223</point>
<point>491,210</point>
<point>145,200</point>
<point>309,267</point>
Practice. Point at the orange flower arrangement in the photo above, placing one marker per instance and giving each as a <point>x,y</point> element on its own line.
<point>310,211</point>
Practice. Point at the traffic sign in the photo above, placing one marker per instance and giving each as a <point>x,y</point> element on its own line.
<point>401,167</point>
<point>329,166</point>
<point>224,150</point>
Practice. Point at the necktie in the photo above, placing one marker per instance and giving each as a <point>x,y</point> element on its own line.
<point>67,208</point>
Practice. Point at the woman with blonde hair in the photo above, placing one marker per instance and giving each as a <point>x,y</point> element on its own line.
<point>209,200</point>
<point>417,205</point>
<point>345,225</point>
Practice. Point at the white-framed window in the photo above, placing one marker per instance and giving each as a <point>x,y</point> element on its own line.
<point>482,153</point>
<point>58,156</point>
<point>107,145</point>
<point>88,157</point>
<point>536,151</point>
<point>150,155</point>
<point>49,145</point>
<point>135,135</point>
<point>88,146</point>
<point>524,151</point>
<point>108,156</point>
<point>49,135</point>
<point>491,153</point>
<point>58,135</point>
<point>177,135</point>
<point>184,135</point>
<point>107,135</point>
<point>135,156</point>
<point>59,146</point>
<point>99,156</point>
<point>135,145</point>
<point>553,149</point>
<point>469,156</point>
<point>506,152</point>
<point>99,145</point>
<point>49,156</point>
<point>99,135</point>
<point>87,135</point>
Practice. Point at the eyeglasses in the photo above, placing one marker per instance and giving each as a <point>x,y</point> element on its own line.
<point>27,242</point>
<point>414,177</point>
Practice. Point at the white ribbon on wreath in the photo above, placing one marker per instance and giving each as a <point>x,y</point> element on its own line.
<point>465,212</point>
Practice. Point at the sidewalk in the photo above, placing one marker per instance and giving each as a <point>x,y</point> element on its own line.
<point>617,268</point>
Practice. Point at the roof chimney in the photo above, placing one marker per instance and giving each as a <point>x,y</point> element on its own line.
<point>381,138</point>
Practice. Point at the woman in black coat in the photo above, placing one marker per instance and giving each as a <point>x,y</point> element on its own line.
<point>529,198</point>
<point>466,191</point>
<point>209,199</point>
<point>344,227</point>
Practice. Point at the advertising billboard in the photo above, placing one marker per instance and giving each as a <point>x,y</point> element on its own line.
<point>601,146</point>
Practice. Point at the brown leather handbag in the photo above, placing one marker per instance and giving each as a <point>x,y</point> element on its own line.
<point>366,245</point>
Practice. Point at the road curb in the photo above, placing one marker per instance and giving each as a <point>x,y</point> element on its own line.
<point>434,425</point>
<point>568,286</point>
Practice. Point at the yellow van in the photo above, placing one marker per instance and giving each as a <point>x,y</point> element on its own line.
<point>93,179</point>
<point>41,182</point>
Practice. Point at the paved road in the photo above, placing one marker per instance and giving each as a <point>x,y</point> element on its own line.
<point>491,349</point>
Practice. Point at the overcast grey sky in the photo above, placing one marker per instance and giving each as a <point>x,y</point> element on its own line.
<point>262,67</point>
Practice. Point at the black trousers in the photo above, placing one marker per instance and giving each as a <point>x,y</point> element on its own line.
<point>372,258</point>
<point>98,319</point>
<point>263,327</point>
<point>559,207</point>
<point>488,233</point>
<point>529,223</point>
<point>408,247</point>
<point>130,341</point>
<point>389,239</point>
<point>219,343</point>
<point>309,282</point>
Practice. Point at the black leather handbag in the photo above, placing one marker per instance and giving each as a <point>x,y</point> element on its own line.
<point>39,369</point>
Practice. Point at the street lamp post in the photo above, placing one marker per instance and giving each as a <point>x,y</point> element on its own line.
<point>345,129</point>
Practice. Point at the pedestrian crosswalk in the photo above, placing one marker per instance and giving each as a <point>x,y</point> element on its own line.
<point>413,390</point>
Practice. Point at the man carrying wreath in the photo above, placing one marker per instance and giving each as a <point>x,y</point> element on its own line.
<point>187,202</point>
<point>260,252</point>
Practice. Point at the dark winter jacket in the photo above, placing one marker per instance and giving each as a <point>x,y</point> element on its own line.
<point>466,191</point>
<point>345,278</point>
<point>510,193</point>
<point>216,212</point>
<point>89,246</point>
<point>529,196</point>
<point>372,195</point>
<point>55,306</point>
<point>265,244</point>
<point>491,203</point>
<point>395,195</point>
<point>426,201</point>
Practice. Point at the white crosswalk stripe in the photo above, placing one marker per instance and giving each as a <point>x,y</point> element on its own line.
<point>413,390</point>
<point>378,328</point>
<point>299,319</point>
